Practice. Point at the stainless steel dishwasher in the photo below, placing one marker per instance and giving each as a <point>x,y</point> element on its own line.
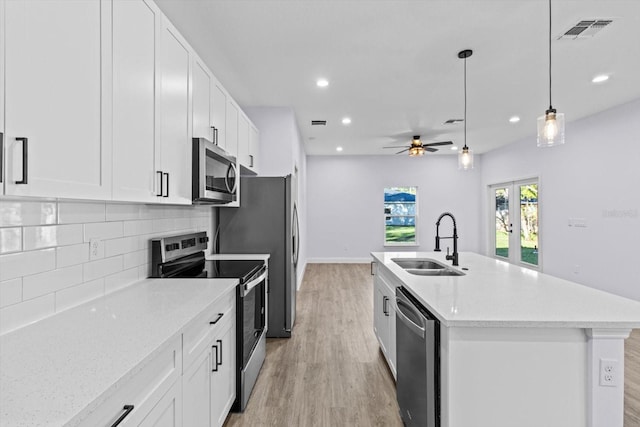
<point>418,362</point>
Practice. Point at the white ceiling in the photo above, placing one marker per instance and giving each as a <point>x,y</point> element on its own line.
<point>393,66</point>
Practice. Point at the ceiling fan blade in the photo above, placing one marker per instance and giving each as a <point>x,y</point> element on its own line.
<point>406,149</point>
<point>395,146</point>
<point>431,150</point>
<point>434,144</point>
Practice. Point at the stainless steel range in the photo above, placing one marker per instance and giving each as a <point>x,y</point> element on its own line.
<point>183,256</point>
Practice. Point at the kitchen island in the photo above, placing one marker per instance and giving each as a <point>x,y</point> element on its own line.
<point>517,347</point>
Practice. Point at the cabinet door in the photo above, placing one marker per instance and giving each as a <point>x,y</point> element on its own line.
<point>231,131</point>
<point>175,142</point>
<point>223,380</point>
<point>135,25</point>
<point>380,322</point>
<point>201,100</point>
<point>196,386</point>
<point>168,411</point>
<point>56,81</point>
<point>254,141</point>
<point>243,141</point>
<point>219,102</point>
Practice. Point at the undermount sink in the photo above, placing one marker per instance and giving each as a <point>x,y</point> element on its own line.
<point>426,267</point>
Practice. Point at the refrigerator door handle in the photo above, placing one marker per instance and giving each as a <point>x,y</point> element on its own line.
<point>295,231</point>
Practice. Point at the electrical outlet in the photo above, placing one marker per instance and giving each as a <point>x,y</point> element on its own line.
<point>96,249</point>
<point>609,372</point>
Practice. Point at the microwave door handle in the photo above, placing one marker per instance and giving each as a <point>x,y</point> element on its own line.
<point>232,167</point>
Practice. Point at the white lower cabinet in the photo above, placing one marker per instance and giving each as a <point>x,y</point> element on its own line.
<point>152,397</point>
<point>384,318</point>
<point>209,378</point>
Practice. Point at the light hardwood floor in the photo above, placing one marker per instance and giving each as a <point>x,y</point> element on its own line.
<point>331,372</point>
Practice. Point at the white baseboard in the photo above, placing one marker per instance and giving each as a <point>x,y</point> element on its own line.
<point>339,260</point>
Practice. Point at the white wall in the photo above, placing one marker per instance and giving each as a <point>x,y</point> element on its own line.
<point>594,176</point>
<point>281,152</point>
<point>346,203</point>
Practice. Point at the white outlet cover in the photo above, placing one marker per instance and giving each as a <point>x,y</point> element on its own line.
<point>96,249</point>
<point>609,372</point>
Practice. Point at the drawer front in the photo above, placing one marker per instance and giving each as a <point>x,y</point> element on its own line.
<point>143,391</point>
<point>198,334</point>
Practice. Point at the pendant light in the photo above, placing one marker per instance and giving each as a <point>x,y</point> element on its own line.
<point>551,125</point>
<point>465,155</point>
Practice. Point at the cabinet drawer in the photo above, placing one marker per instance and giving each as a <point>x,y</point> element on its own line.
<point>198,334</point>
<point>144,390</point>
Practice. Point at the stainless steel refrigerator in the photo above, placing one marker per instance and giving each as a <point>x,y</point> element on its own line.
<point>267,222</point>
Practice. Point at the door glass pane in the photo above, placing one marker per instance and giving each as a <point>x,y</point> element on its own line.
<point>529,223</point>
<point>502,221</point>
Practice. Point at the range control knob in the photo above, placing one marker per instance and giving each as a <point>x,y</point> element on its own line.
<point>172,247</point>
<point>204,239</point>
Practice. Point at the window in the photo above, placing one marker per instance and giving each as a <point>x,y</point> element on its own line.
<point>515,229</point>
<point>400,216</point>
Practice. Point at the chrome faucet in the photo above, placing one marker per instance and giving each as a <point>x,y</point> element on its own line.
<point>453,257</point>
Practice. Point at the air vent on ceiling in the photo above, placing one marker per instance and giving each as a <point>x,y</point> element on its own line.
<point>453,121</point>
<point>318,122</point>
<point>585,29</point>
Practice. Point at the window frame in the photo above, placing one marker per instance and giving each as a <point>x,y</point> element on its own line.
<point>415,218</point>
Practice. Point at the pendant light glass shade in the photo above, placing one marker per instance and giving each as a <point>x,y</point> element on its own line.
<point>465,155</point>
<point>551,125</point>
<point>551,129</point>
<point>416,151</point>
<point>465,158</point>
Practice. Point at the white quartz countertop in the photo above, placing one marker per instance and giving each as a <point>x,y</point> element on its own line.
<point>495,293</point>
<point>54,372</point>
<point>261,257</point>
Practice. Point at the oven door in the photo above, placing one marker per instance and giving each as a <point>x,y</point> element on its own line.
<point>251,315</point>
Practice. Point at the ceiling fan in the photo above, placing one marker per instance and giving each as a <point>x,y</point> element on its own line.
<point>417,148</point>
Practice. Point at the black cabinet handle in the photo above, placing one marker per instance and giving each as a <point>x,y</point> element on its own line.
<point>215,132</point>
<point>127,410</point>
<point>220,361</point>
<point>214,359</point>
<point>217,319</point>
<point>161,187</point>
<point>385,309</point>
<point>167,175</point>
<point>372,264</point>
<point>251,159</point>
<point>25,159</point>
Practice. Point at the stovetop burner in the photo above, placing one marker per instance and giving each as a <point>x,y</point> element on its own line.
<point>243,270</point>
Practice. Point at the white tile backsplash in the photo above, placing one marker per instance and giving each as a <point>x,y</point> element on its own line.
<point>81,212</point>
<point>52,235</point>
<point>25,263</point>
<point>10,240</point>
<point>50,281</point>
<point>27,213</point>
<point>44,251</point>
<point>10,292</point>
<point>103,230</point>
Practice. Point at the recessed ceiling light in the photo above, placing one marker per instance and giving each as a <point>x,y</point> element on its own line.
<point>599,79</point>
<point>322,82</point>
<point>514,119</point>
<point>454,148</point>
<point>346,121</point>
<point>338,148</point>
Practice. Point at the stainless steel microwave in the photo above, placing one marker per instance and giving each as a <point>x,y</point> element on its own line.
<point>215,174</point>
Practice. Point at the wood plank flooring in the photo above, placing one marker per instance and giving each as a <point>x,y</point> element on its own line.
<point>331,372</point>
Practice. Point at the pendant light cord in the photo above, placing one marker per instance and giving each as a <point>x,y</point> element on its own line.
<point>465,102</point>
<point>550,103</point>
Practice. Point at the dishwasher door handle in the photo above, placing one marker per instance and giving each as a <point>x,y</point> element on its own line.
<point>415,328</point>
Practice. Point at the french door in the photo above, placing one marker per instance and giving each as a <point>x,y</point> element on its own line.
<point>514,226</point>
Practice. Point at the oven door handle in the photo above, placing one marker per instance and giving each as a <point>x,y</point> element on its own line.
<point>247,287</point>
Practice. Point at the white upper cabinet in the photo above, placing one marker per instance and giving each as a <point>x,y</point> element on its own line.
<point>219,102</point>
<point>247,144</point>
<point>135,25</point>
<point>202,99</point>
<point>56,81</point>
<point>174,155</point>
<point>254,147</point>
<point>231,143</point>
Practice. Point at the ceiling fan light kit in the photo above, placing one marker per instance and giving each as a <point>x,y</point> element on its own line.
<point>465,155</point>
<point>551,125</point>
